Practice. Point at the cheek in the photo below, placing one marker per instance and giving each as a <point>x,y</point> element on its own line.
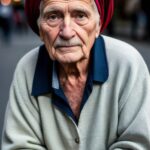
<point>91,29</point>
<point>87,34</point>
<point>46,33</point>
<point>48,36</point>
<point>88,31</point>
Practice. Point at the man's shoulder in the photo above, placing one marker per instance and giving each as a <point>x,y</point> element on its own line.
<point>116,45</point>
<point>27,63</point>
<point>123,57</point>
<point>25,69</point>
<point>29,58</point>
<point>121,52</point>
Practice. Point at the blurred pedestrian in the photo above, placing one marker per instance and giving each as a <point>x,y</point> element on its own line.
<point>132,10</point>
<point>146,10</point>
<point>5,22</point>
<point>19,20</point>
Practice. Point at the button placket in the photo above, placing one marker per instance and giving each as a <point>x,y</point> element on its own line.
<point>77,133</point>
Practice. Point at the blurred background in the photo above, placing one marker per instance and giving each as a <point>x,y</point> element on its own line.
<point>131,23</point>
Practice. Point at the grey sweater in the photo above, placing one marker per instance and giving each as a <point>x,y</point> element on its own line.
<point>115,117</point>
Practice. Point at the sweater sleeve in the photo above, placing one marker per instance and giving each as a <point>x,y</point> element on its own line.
<point>22,128</point>
<point>134,112</point>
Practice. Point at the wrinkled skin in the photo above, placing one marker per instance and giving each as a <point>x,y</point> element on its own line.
<point>68,29</point>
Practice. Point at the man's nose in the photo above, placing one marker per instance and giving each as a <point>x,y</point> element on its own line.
<point>67,30</point>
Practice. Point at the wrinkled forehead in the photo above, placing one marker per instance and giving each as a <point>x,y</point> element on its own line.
<point>47,2</point>
<point>104,7</point>
<point>89,5</point>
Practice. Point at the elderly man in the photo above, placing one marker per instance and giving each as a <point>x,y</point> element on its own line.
<point>80,90</point>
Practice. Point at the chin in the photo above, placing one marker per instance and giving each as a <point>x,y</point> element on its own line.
<point>69,60</point>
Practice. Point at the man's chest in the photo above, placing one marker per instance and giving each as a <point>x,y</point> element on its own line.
<point>74,95</point>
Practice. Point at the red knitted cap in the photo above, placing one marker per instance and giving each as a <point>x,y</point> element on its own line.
<point>105,9</point>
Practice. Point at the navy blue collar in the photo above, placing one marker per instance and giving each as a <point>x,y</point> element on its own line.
<point>42,82</point>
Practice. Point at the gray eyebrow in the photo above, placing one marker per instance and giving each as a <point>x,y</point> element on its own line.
<point>79,8</point>
<point>52,9</point>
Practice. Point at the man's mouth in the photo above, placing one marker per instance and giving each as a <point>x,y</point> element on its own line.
<point>66,46</point>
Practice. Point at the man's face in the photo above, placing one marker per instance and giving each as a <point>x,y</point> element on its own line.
<point>68,29</point>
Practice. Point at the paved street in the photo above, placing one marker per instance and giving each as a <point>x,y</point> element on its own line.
<point>20,44</point>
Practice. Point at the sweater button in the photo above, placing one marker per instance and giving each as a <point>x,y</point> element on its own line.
<point>77,140</point>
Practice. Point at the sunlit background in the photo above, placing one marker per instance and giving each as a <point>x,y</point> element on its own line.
<point>130,23</point>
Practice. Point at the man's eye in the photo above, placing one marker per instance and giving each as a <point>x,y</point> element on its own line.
<point>53,17</point>
<point>81,16</point>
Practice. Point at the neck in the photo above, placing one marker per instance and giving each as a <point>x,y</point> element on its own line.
<point>73,79</point>
<point>71,71</point>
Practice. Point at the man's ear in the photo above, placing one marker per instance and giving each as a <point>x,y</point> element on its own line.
<point>40,31</point>
<point>97,34</point>
<point>41,34</point>
<point>98,28</point>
